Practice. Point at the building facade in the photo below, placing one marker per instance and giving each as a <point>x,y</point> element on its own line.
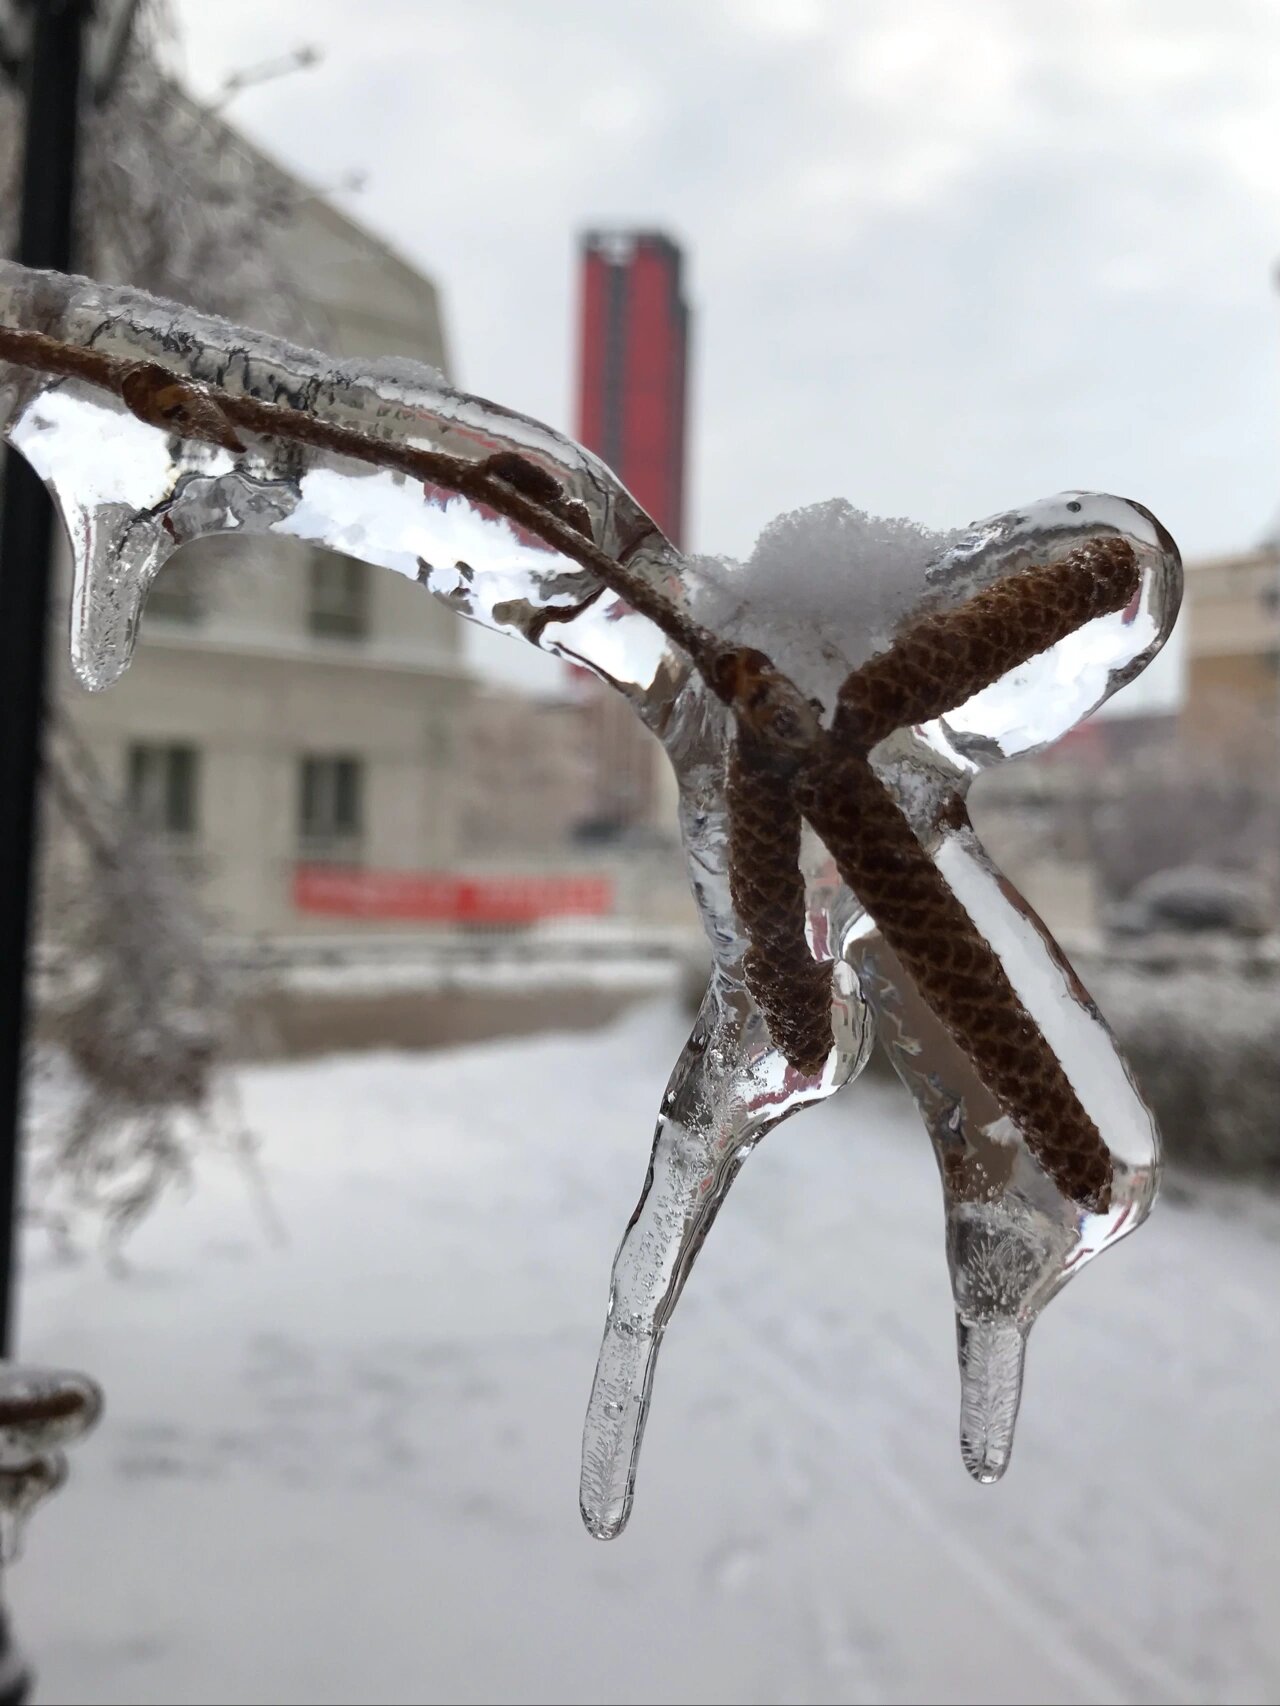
<point>633,368</point>
<point>528,775</point>
<point>1231,620</point>
<point>290,710</point>
<point>304,732</point>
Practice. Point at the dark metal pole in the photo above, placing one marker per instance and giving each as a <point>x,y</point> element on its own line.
<point>26,541</point>
<point>46,238</point>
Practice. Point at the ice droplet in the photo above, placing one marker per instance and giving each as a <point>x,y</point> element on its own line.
<point>826,590</point>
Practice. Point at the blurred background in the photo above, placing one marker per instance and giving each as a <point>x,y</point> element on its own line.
<point>937,259</point>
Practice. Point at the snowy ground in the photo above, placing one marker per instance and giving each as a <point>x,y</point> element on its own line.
<point>347,1470</point>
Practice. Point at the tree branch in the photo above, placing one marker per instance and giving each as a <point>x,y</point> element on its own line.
<point>784,761</point>
<point>507,483</point>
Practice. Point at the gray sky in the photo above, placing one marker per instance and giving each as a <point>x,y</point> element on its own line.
<point>945,255</point>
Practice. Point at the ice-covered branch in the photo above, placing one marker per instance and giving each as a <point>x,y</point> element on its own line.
<point>939,663</point>
<point>510,484</point>
<point>850,680</point>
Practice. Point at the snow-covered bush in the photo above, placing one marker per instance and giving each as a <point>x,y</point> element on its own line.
<point>1202,1035</point>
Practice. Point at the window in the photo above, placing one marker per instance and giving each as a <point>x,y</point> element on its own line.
<point>163,789</point>
<point>440,739</point>
<point>339,607</point>
<point>175,595</point>
<point>330,809</point>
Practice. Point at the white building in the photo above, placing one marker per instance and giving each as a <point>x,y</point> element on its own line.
<point>287,708</point>
<point>304,731</point>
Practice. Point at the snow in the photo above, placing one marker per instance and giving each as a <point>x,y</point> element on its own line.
<point>509,976</point>
<point>831,582</point>
<point>346,1469</point>
<point>831,558</point>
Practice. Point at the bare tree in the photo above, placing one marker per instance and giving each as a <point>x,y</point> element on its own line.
<point>1213,804</point>
<point>169,198</point>
<point>136,1013</point>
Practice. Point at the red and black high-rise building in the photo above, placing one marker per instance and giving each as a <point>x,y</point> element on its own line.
<point>633,364</point>
<point>632,369</point>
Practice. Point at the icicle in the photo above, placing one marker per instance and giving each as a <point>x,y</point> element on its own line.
<point>992,1353</point>
<point>729,1087</point>
<point>172,449</point>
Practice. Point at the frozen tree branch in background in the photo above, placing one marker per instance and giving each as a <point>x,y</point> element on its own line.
<point>136,1015</point>
<point>171,200</point>
<point>860,673</point>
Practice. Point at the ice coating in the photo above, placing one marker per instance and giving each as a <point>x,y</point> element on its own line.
<point>827,589</point>
<point>131,493</point>
<point>42,1411</point>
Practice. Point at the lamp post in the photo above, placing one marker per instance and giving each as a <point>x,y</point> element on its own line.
<point>52,74</point>
<point>54,49</point>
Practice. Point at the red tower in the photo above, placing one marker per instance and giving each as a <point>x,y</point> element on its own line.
<point>632,366</point>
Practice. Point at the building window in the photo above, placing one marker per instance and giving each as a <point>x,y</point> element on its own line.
<point>440,739</point>
<point>175,595</point>
<point>339,597</point>
<point>330,810</point>
<point>164,786</point>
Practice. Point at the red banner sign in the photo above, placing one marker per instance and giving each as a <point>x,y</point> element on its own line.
<point>344,891</point>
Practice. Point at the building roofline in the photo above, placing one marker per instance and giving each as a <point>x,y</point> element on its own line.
<point>255,150</point>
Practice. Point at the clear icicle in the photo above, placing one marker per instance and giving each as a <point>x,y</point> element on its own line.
<point>826,589</point>
<point>1013,1238</point>
<point>728,1088</point>
<point>992,1353</point>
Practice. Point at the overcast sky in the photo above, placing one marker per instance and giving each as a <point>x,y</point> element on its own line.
<point>944,255</point>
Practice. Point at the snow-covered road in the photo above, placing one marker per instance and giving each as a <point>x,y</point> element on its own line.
<point>347,1469</point>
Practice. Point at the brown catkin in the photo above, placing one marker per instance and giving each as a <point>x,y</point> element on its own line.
<point>793,989</point>
<point>942,659</point>
<point>955,969</point>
